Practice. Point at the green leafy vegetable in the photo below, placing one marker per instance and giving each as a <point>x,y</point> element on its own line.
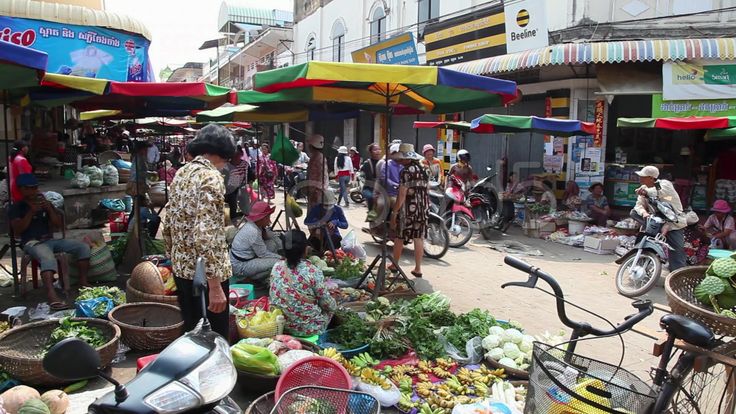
<point>353,332</point>
<point>114,293</point>
<point>469,325</point>
<point>76,329</point>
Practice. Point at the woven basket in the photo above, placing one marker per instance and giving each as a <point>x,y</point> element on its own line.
<point>260,331</point>
<point>679,287</point>
<point>405,295</point>
<point>134,295</point>
<point>258,383</point>
<point>511,372</point>
<point>21,349</point>
<point>147,326</point>
<point>146,277</point>
<point>262,405</point>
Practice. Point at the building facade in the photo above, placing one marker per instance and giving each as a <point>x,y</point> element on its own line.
<point>593,60</point>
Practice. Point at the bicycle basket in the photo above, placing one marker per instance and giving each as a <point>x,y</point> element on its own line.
<point>582,385</point>
<point>324,400</point>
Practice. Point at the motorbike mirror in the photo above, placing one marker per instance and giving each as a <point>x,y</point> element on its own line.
<point>72,360</point>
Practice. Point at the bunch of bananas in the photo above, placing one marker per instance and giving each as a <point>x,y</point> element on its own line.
<point>423,377</point>
<point>351,368</point>
<point>425,389</point>
<point>446,364</point>
<point>465,376</point>
<point>439,372</point>
<point>480,389</point>
<point>455,386</point>
<point>425,367</point>
<point>405,402</point>
<point>371,376</point>
<point>364,360</point>
<point>427,409</point>
<point>333,354</point>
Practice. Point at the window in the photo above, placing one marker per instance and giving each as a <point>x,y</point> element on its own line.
<point>428,10</point>
<point>338,41</point>
<point>378,25</point>
<point>311,47</point>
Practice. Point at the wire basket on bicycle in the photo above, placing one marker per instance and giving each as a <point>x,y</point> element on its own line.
<point>576,384</point>
<point>324,400</point>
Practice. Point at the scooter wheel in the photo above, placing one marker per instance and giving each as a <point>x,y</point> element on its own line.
<point>437,241</point>
<point>357,197</point>
<point>462,230</point>
<point>636,279</point>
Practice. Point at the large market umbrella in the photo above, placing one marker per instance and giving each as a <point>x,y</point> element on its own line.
<point>492,123</point>
<point>454,125</point>
<point>677,124</point>
<point>720,134</point>
<point>251,113</point>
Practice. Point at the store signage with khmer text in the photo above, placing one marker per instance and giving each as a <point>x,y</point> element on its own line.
<point>698,79</point>
<point>495,31</point>
<point>715,107</point>
<point>398,50</point>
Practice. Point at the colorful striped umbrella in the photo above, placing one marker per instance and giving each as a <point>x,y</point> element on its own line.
<point>401,89</point>
<point>492,123</point>
<point>20,66</point>
<point>677,124</point>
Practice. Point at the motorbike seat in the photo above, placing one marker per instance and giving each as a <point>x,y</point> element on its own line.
<point>688,330</point>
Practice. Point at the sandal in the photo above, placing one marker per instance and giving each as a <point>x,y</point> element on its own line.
<point>416,274</point>
<point>391,268</point>
<point>59,306</point>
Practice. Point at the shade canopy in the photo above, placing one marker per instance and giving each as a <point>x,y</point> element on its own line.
<point>20,66</point>
<point>402,89</point>
<point>493,123</point>
<point>454,125</point>
<point>677,124</point>
<point>720,134</point>
<point>251,113</point>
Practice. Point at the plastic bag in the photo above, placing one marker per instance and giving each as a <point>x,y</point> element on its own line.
<point>94,308</point>
<point>485,407</point>
<point>110,175</point>
<point>80,180</point>
<point>386,398</point>
<point>473,350</point>
<point>254,359</point>
<point>95,176</point>
<point>290,357</point>
<point>350,244</point>
<point>56,199</point>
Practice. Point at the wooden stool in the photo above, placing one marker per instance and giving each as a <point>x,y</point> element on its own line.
<point>63,272</point>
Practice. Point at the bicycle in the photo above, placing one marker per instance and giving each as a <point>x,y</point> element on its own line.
<point>559,378</point>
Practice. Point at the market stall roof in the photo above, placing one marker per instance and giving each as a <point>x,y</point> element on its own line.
<point>493,123</point>
<point>71,14</point>
<point>20,66</point>
<point>251,113</point>
<point>676,124</point>
<point>400,88</point>
<point>720,134</point>
<point>603,52</point>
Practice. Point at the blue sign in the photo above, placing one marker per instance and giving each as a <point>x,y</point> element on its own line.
<point>88,51</point>
<point>398,50</point>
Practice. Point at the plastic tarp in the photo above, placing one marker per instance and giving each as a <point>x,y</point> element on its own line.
<point>677,124</point>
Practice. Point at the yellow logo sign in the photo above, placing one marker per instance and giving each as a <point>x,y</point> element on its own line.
<point>685,74</point>
<point>522,18</point>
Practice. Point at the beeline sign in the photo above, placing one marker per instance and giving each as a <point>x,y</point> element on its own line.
<point>523,35</point>
<point>25,38</point>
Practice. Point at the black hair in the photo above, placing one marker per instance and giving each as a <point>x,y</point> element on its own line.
<point>18,147</point>
<point>213,139</point>
<point>594,185</point>
<point>295,243</point>
<point>341,160</point>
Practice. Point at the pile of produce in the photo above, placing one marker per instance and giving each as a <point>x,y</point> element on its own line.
<point>76,329</point>
<point>167,276</point>
<point>261,324</point>
<point>717,289</point>
<point>327,271</point>
<point>509,347</point>
<point>22,399</point>
<point>89,300</point>
<point>267,356</point>
<point>346,266</point>
<point>348,294</point>
<point>4,326</point>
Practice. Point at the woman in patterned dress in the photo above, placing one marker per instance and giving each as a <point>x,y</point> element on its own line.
<point>411,210</point>
<point>298,289</point>
<point>267,172</point>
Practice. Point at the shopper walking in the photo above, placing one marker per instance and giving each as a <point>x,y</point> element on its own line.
<point>344,172</point>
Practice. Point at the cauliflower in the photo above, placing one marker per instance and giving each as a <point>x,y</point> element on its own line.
<point>511,350</point>
<point>525,346</point>
<point>512,335</point>
<point>527,338</point>
<point>497,330</point>
<point>508,362</point>
<point>495,354</point>
<point>491,341</point>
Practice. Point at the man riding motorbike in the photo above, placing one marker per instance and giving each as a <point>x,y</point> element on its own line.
<point>463,170</point>
<point>662,190</point>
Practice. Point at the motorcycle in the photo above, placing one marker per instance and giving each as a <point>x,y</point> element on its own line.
<point>195,373</point>
<point>356,189</point>
<point>294,176</point>
<point>436,243</point>
<point>641,266</point>
<point>480,208</point>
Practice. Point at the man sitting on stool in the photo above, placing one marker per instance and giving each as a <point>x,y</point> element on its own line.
<point>325,219</point>
<point>34,219</point>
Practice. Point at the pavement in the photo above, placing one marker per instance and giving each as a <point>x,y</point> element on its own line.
<point>471,276</point>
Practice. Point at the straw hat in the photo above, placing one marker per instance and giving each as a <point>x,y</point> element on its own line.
<point>260,210</point>
<point>406,152</point>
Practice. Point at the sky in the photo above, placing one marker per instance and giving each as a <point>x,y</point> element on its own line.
<point>179,27</point>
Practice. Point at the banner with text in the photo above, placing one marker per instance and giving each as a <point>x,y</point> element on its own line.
<point>398,50</point>
<point>698,79</point>
<point>665,109</point>
<point>87,51</point>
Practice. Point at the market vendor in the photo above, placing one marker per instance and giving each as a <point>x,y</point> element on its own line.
<point>255,248</point>
<point>34,218</point>
<point>720,226</point>
<point>325,220</point>
<point>571,197</point>
<point>298,289</point>
<point>596,205</point>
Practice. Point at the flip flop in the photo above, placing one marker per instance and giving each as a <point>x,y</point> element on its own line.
<point>59,306</point>
<point>416,274</point>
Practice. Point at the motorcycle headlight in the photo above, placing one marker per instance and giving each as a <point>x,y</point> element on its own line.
<point>210,382</point>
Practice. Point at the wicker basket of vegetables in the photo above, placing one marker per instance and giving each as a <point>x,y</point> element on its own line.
<point>22,348</point>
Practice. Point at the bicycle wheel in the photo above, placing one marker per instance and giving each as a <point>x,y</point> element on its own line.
<point>703,392</point>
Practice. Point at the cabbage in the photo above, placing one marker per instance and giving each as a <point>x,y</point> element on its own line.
<point>497,330</point>
<point>519,360</point>
<point>491,341</point>
<point>527,338</point>
<point>525,346</point>
<point>495,354</point>
<point>510,350</point>
<point>508,362</point>
<point>512,335</point>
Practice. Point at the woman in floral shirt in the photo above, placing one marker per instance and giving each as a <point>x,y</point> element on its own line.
<point>298,289</point>
<point>267,172</point>
<point>194,226</point>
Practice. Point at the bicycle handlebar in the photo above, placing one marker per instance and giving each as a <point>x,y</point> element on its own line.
<point>583,328</point>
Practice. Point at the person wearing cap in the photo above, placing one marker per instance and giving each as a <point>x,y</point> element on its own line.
<point>323,220</point>
<point>697,243</point>
<point>34,219</point>
<point>317,171</point>
<point>194,227</point>
<point>596,205</point>
<point>369,169</point>
<point>410,212</point>
<point>432,164</point>
<point>255,248</point>
<point>652,187</point>
<point>720,226</point>
<point>344,172</point>
<point>355,158</point>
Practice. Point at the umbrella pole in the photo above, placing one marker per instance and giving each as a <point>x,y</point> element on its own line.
<point>11,243</point>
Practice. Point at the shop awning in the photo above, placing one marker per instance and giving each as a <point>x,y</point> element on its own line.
<point>494,123</point>
<point>20,66</point>
<point>677,124</point>
<point>720,134</point>
<point>603,52</point>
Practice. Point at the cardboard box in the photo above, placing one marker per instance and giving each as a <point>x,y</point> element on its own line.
<point>599,245</point>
